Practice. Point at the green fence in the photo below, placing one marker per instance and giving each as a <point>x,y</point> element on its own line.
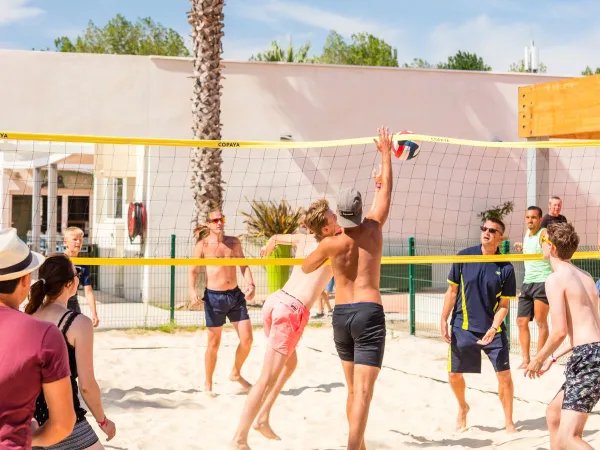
<point>150,296</point>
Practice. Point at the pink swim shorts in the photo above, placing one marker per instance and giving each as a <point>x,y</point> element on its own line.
<point>284,319</point>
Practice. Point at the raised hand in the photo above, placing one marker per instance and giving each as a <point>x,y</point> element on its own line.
<point>385,140</point>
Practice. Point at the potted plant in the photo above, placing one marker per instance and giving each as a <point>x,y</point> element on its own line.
<point>267,219</point>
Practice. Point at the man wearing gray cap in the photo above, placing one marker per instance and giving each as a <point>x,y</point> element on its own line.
<point>358,317</point>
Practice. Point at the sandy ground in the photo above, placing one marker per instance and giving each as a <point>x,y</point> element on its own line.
<point>152,389</point>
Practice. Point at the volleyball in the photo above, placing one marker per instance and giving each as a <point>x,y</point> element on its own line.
<point>405,150</point>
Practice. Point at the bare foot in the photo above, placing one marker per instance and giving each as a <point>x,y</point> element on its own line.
<point>510,428</point>
<point>523,365</point>
<point>239,379</point>
<point>208,391</point>
<point>461,419</point>
<point>235,445</point>
<point>266,430</point>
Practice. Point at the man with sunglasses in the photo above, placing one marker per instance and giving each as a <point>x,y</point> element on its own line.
<point>223,299</point>
<point>478,298</point>
<point>574,313</point>
<point>533,303</point>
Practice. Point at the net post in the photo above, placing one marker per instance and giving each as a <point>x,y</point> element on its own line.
<point>411,287</point>
<point>172,299</point>
<point>505,250</point>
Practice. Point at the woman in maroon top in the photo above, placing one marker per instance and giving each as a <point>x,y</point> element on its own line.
<point>33,357</point>
<point>58,281</point>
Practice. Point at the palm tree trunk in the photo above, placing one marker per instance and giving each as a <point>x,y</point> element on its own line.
<point>206,20</point>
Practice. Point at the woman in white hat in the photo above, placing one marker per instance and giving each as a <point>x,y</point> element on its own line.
<point>33,357</point>
<point>58,282</point>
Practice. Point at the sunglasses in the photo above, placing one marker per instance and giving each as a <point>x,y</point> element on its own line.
<point>491,230</point>
<point>217,220</point>
<point>543,239</point>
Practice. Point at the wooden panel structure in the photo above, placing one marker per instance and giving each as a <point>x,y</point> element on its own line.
<point>566,109</point>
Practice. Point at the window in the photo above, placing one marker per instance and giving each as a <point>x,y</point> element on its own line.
<point>115,198</point>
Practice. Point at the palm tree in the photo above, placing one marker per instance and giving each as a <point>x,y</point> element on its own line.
<point>206,20</point>
<point>289,55</point>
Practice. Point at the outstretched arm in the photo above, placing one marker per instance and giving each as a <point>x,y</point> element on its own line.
<point>383,197</point>
<point>317,258</point>
<point>281,239</point>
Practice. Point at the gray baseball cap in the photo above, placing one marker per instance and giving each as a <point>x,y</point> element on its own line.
<point>349,208</point>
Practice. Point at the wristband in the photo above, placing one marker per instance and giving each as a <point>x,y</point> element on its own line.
<point>378,185</point>
<point>493,328</point>
<point>103,423</point>
<point>251,284</point>
<point>553,358</point>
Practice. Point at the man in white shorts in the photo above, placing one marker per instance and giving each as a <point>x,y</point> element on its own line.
<point>285,314</point>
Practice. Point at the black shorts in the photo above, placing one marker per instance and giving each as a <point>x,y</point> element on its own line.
<point>582,386</point>
<point>359,332</point>
<point>222,305</point>
<point>464,354</point>
<point>529,292</point>
<point>73,304</point>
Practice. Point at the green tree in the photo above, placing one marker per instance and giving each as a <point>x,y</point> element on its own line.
<point>520,67</point>
<point>418,63</point>
<point>279,54</point>
<point>365,50</point>
<point>588,71</point>
<point>122,37</point>
<point>464,61</point>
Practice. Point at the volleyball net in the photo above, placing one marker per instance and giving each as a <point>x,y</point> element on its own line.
<point>132,197</point>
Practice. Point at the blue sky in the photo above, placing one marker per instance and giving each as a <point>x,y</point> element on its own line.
<point>564,30</point>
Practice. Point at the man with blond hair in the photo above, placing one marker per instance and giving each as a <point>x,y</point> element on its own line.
<point>73,240</point>
<point>285,314</point>
<point>574,312</point>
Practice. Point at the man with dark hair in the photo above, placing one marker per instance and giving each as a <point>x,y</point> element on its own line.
<point>574,312</point>
<point>554,215</point>
<point>33,357</point>
<point>478,298</point>
<point>533,302</point>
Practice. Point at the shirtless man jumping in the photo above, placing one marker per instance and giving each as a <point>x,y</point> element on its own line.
<point>358,317</point>
<point>285,314</point>
<point>222,298</point>
<point>573,299</point>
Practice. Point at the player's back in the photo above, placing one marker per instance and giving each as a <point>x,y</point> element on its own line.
<point>356,262</point>
<point>582,305</point>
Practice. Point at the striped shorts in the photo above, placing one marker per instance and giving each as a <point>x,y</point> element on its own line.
<point>83,436</point>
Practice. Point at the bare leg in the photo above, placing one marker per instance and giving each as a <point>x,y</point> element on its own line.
<point>244,331</point>
<point>570,432</point>
<point>364,385</point>
<point>96,446</point>
<point>326,301</point>
<point>273,364</point>
<point>553,419</point>
<point>210,357</point>
<point>524,340</point>
<point>262,421</point>
<point>506,394</point>
<point>320,302</point>
<point>348,367</point>
<point>540,311</point>
<point>458,385</point>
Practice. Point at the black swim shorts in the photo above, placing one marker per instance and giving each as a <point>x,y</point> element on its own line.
<point>582,387</point>
<point>529,293</point>
<point>222,305</point>
<point>359,332</point>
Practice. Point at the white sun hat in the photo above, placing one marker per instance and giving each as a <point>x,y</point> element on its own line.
<point>16,260</point>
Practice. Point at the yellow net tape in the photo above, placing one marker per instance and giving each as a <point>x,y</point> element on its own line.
<point>298,261</point>
<point>11,135</point>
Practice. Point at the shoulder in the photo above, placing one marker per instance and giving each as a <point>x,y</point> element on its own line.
<point>233,240</point>
<point>469,250</point>
<point>81,327</point>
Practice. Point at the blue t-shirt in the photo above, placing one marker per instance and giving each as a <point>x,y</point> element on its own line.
<point>85,278</point>
<point>480,288</point>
